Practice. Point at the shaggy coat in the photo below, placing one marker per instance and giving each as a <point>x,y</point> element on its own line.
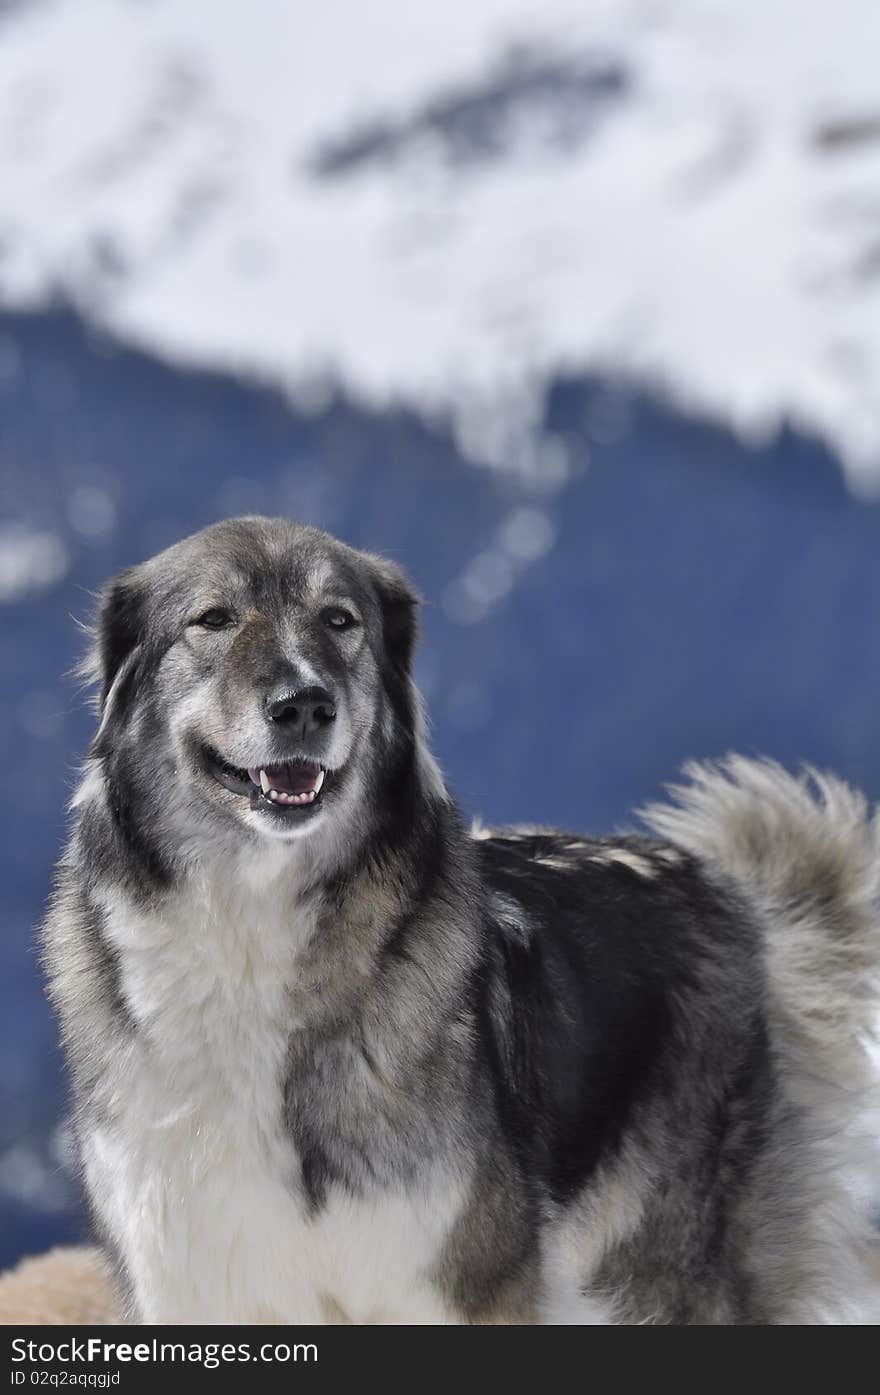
<point>338,1058</point>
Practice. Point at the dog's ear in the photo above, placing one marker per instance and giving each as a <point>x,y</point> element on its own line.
<point>399,602</point>
<point>118,631</point>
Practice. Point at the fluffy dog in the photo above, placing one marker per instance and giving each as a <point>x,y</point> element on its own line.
<point>335,1057</point>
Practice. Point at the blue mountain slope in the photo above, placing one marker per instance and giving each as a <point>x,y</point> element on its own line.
<point>699,597</point>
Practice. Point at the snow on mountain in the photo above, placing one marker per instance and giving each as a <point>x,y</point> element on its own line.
<point>446,205</point>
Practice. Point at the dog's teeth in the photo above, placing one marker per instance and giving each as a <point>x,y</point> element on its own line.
<point>282,797</point>
<point>318,783</point>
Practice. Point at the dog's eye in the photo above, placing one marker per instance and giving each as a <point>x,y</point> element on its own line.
<point>215,619</point>
<point>338,619</point>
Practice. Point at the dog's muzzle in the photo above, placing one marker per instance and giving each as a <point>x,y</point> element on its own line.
<point>298,719</point>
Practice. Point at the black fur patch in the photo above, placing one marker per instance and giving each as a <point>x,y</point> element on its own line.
<point>578,1017</point>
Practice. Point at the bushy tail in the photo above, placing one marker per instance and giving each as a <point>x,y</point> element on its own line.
<point>807,851</point>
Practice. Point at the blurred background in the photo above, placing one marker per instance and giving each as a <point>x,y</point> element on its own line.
<point>572,309</point>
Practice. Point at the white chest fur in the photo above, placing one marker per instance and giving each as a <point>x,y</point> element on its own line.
<point>188,1162</point>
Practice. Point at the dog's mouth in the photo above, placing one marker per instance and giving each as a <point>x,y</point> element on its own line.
<point>288,786</point>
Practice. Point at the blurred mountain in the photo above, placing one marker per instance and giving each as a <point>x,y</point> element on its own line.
<point>448,206</point>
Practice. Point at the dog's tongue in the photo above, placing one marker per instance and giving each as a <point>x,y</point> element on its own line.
<point>294,777</point>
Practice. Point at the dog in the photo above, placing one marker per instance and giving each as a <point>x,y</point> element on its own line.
<point>336,1057</point>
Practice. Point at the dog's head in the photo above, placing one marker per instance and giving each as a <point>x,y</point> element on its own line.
<point>256,674</point>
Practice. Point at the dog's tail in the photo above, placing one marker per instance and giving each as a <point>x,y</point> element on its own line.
<point>806,854</point>
<point>807,851</point>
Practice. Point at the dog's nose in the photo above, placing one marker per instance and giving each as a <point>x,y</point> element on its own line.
<point>311,709</point>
